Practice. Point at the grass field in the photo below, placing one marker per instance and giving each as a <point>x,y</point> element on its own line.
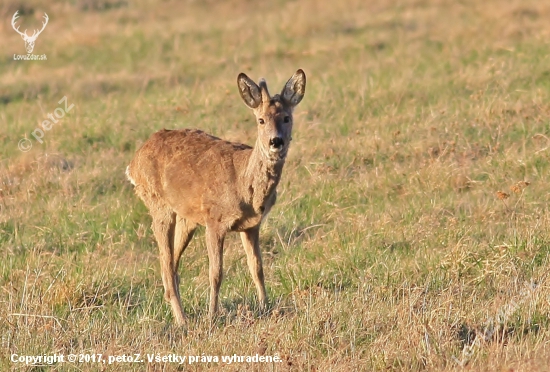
<point>412,228</point>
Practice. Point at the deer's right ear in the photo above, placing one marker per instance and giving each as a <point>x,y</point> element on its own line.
<point>249,90</point>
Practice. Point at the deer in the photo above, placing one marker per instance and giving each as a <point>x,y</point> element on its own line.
<point>187,178</point>
<point>29,40</point>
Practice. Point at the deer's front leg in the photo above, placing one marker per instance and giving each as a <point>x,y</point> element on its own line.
<point>251,244</point>
<point>214,243</point>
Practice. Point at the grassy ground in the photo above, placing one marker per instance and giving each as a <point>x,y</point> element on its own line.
<point>412,229</point>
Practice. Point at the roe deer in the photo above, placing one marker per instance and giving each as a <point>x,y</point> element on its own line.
<point>188,178</point>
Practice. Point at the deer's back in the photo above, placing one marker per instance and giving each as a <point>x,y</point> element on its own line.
<point>189,170</point>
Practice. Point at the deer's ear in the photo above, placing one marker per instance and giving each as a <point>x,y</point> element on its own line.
<point>295,88</point>
<point>250,92</point>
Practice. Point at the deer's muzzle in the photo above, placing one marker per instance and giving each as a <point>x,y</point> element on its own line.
<point>276,143</point>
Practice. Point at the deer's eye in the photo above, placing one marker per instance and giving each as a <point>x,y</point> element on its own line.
<point>287,119</point>
<point>261,121</point>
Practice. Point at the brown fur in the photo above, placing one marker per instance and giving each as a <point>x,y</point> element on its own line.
<point>188,178</point>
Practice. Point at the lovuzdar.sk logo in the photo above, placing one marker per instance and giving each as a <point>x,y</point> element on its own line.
<point>29,40</point>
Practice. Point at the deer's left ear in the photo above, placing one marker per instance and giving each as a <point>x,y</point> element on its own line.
<point>295,88</point>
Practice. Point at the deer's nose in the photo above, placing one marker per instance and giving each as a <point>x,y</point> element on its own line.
<point>276,142</point>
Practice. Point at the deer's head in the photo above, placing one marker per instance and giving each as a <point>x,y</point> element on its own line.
<point>29,40</point>
<point>273,114</point>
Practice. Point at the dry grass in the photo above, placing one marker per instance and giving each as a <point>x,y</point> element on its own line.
<point>413,210</point>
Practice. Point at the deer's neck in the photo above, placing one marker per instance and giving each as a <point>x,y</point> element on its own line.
<point>262,176</point>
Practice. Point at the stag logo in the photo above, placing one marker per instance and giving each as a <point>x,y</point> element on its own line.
<point>29,40</point>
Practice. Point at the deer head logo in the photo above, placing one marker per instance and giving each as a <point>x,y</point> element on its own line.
<point>29,40</point>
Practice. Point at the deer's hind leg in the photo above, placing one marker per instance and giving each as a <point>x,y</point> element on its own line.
<point>164,225</point>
